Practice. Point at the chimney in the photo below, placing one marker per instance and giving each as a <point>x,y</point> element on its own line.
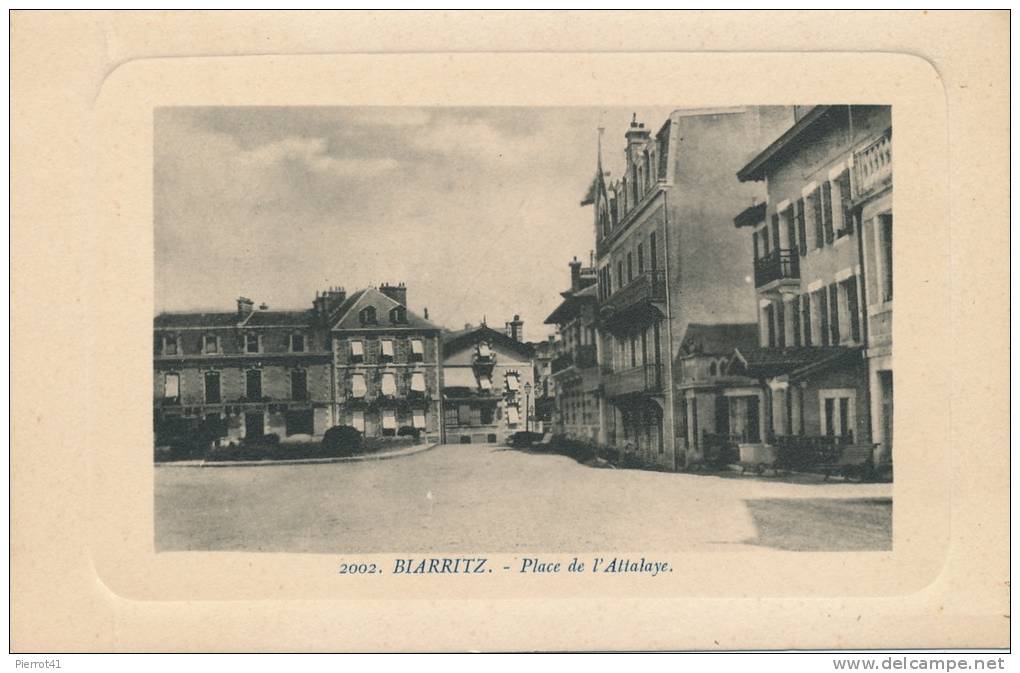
<point>575,275</point>
<point>515,328</point>
<point>263,306</point>
<point>426,312</point>
<point>637,134</point>
<point>397,293</point>
<point>244,307</point>
<point>319,304</point>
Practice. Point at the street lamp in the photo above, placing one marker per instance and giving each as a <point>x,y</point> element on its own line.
<point>527,408</point>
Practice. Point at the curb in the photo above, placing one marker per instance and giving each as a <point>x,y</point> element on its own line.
<point>298,461</point>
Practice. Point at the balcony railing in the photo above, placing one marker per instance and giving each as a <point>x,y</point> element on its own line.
<point>873,165</point>
<point>777,265</point>
<point>637,380</point>
<point>582,357</point>
<point>646,287</point>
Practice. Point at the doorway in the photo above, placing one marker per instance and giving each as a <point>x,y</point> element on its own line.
<point>254,424</point>
<point>885,382</point>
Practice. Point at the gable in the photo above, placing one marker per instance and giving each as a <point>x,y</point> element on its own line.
<point>350,316</point>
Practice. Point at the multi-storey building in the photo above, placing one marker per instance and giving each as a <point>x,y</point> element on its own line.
<point>665,259</point>
<point>386,362</point>
<point>488,384</point>
<point>545,388</point>
<point>822,250</point>
<point>575,368</point>
<point>244,373</point>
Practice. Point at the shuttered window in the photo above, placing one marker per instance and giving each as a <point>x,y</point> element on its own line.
<point>775,231</point>
<point>805,313</point>
<point>847,226</point>
<point>816,210</point>
<point>853,308</point>
<point>791,227</point>
<point>823,316</point>
<point>299,384</point>
<point>780,324</point>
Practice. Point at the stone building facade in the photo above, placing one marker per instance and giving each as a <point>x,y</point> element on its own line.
<point>821,249</point>
<point>665,258</point>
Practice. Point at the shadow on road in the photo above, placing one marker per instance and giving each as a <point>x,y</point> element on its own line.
<point>822,524</point>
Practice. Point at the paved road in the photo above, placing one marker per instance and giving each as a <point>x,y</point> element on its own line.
<point>471,498</point>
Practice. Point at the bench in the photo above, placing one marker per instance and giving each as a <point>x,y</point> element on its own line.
<point>855,459</point>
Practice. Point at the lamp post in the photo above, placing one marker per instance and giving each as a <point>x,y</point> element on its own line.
<point>527,409</point>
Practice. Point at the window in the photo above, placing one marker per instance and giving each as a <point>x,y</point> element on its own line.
<point>838,411</point>
<point>251,343</point>
<point>485,415</point>
<point>619,274</point>
<point>170,344</point>
<point>357,351</point>
<point>754,238</point>
<point>418,419</point>
<point>417,350</point>
<point>417,382</point>
<point>633,351</point>
<point>653,258</point>
<point>299,384</point>
<point>212,387</point>
<point>791,227</point>
<point>822,303</point>
<point>770,326</point>
<point>885,263</point>
<point>484,383</point>
<point>172,388</point>
<point>806,317</point>
<point>834,313</point>
<point>775,232</point>
<point>801,227</point>
<point>763,236</point>
<point>464,414</point>
<point>367,315</point>
<point>484,351</point>
<point>712,369</point>
<point>513,415</point>
<point>630,267</point>
<point>253,384</point>
<point>389,384</point>
<point>513,381</point>
<point>358,387</point>
<point>389,421</point>
<point>297,343</point>
<point>387,350</point>
<point>451,418</point>
<point>640,258</point>
<point>210,344</point>
<point>398,315</point>
<point>358,421</point>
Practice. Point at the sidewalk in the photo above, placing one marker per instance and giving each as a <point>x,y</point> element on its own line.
<point>383,455</point>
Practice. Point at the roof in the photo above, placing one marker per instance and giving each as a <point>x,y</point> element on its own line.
<point>751,216</point>
<point>572,301</point>
<point>795,362</point>
<point>757,168</point>
<point>199,319</point>
<point>455,341</point>
<point>279,318</point>
<point>346,316</point>
<point>719,338</point>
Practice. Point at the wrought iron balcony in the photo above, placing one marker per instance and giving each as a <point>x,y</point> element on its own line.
<point>645,379</point>
<point>581,357</point>
<point>778,265</point>
<point>644,291</point>
<point>873,165</point>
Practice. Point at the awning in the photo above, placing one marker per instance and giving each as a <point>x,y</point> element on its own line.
<point>358,420</point>
<point>419,418</point>
<point>417,346</point>
<point>357,348</point>
<point>358,388</point>
<point>387,347</point>
<point>389,419</point>
<point>513,382</point>
<point>418,382</point>
<point>483,350</point>
<point>389,384</point>
<point>513,416</point>
<point>485,383</point>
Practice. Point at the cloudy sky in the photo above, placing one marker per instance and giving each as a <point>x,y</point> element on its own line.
<point>476,210</point>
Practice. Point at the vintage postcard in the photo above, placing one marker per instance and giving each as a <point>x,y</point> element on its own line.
<point>526,339</point>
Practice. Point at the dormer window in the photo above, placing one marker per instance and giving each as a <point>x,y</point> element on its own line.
<point>169,344</point>
<point>484,351</point>
<point>367,315</point>
<point>297,343</point>
<point>398,315</point>
<point>251,343</point>
<point>210,344</point>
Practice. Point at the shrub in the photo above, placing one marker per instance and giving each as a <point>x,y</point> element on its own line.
<point>342,440</point>
<point>408,431</point>
<point>523,438</point>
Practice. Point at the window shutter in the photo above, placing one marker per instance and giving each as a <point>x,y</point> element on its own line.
<point>791,227</point>
<point>816,203</point>
<point>823,316</point>
<point>827,211</point>
<point>834,313</point>
<point>844,198</point>
<point>775,231</point>
<point>801,228</point>
<point>781,324</point>
<point>754,237</point>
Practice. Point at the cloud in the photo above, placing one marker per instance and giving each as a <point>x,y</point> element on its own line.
<point>312,154</point>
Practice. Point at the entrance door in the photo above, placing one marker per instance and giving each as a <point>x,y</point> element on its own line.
<point>254,424</point>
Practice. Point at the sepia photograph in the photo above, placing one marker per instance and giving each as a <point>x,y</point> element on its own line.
<point>520,329</point>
